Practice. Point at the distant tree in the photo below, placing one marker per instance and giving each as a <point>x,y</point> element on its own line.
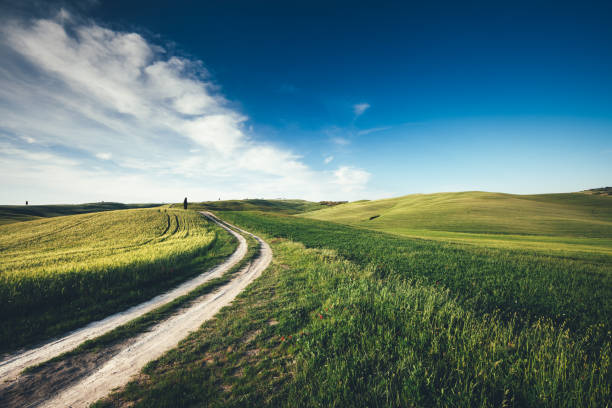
<point>185,204</point>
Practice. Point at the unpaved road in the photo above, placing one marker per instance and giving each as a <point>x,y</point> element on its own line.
<point>11,366</point>
<point>148,346</point>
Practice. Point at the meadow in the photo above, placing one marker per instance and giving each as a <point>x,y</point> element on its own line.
<point>572,222</point>
<point>575,290</point>
<point>60,273</point>
<point>352,317</point>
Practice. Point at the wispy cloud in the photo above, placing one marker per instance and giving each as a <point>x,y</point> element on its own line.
<point>103,94</point>
<point>328,159</point>
<point>341,141</point>
<point>372,130</point>
<point>360,108</point>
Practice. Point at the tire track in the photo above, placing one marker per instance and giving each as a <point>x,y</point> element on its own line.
<point>161,338</point>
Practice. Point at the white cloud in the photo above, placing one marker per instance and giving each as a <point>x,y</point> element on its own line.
<point>328,159</point>
<point>351,179</point>
<point>84,91</point>
<point>104,156</point>
<point>360,108</point>
<point>221,132</point>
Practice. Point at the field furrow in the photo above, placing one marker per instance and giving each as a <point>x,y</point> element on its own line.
<point>60,273</point>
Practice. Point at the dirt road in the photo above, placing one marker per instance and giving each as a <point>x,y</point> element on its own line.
<point>148,346</point>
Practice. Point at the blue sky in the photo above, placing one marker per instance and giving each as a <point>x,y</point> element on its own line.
<point>146,101</point>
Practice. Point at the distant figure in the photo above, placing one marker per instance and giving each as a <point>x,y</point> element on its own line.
<point>185,204</point>
<point>26,203</point>
<point>219,198</point>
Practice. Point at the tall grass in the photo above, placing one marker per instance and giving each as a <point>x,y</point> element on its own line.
<point>318,330</point>
<point>60,272</point>
<point>524,285</point>
<point>375,342</point>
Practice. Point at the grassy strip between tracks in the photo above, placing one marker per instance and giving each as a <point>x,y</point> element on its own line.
<point>143,323</point>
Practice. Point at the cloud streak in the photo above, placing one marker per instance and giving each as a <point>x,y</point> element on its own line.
<point>91,114</point>
<point>360,108</point>
<point>364,132</point>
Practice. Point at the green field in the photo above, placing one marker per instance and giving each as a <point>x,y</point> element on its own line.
<point>58,273</point>
<point>572,222</point>
<point>454,299</point>
<point>16,213</point>
<point>352,317</point>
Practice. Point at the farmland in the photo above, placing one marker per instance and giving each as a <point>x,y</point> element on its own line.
<point>353,317</point>
<point>16,213</point>
<point>59,273</point>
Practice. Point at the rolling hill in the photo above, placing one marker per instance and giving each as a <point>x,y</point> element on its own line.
<point>574,221</point>
<point>278,206</point>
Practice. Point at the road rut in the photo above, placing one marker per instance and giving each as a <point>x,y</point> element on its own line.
<point>147,346</point>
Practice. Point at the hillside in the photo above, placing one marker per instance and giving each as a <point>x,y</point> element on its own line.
<point>278,206</point>
<point>599,191</point>
<point>491,218</point>
<point>15,213</point>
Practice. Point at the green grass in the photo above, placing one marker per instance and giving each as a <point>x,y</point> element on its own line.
<point>317,329</point>
<point>16,213</point>
<point>573,222</point>
<point>59,273</point>
<point>576,290</point>
<point>277,206</point>
<point>507,302</point>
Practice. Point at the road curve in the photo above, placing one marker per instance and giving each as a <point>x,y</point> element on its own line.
<point>11,366</point>
<point>153,344</point>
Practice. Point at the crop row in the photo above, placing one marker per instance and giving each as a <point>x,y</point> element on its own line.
<point>54,270</point>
